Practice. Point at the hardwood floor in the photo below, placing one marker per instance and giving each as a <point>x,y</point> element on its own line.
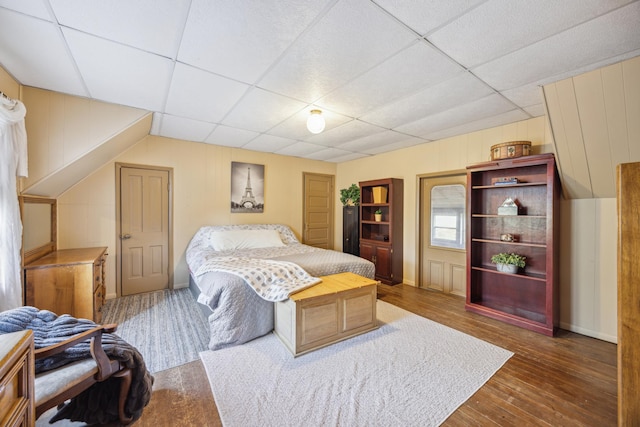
<point>568,380</point>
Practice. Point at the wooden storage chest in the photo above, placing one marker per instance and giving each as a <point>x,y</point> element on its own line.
<point>341,306</point>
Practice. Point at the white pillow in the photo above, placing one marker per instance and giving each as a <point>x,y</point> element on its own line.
<point>244,239</point>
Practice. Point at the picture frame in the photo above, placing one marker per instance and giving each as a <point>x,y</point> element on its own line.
<point>247,188</point>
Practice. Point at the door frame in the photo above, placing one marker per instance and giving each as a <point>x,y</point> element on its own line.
<point>332,227</point>
<point>419,217</point>
<point>118,257</point>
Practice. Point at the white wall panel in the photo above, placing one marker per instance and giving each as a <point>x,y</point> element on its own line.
<point>594,118</point>
<point>593,123</point>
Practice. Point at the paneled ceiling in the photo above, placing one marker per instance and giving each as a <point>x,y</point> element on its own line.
<point>387,74</point>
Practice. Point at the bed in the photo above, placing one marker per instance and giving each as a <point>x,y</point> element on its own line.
<point>224,260</point>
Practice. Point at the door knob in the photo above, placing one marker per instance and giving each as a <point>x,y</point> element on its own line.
<point>125,236</point>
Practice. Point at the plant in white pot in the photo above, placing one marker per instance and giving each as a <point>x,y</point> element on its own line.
<point>508,263</point>
<point>378,215</point>
<point>350,196</point>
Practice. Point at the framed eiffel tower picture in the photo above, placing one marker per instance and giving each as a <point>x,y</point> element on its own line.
<point>247,188</point>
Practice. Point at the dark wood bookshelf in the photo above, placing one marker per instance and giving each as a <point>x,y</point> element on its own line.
<point>381,241</point>
<point>528,299</point>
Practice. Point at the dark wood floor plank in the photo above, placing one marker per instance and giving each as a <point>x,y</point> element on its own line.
<point>567,380</point>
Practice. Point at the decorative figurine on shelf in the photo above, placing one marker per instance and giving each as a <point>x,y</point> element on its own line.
<point>508,238</point>
<point>508,207</point>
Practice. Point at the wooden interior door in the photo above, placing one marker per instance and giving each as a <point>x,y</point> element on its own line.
<point>318,210</point>
<point>628,199</point>
<point>144,229</point>
<point>441,269</point>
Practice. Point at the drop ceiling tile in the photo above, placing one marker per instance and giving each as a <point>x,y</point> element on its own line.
<point>579,47</point>
<point>486,107</point>
<point>367,143</point>
<point>328,154</point>
<point>499,27</point>
<point>347,157</point>
<point>230,137</point>
<point>187,129</point>
<point>120,74</point>
<point>300,149</point>
<point>524,96</point>
<point>242,39</point>
<point>461,89</point>
<point>476,125</point>
<point>35,8</point>
<point>589,67</point>
<point>424,16</point>
<point>150,25</point>
<point>347,132</point>
<point>418,66</point>
<point>535,110</point>
<point>33,51</point>
<point>202,95</point>
<point>351,38</point>
<point>260,110</point>
<point>268,143</point>
<point>396,146</point>
<point>295,127</point>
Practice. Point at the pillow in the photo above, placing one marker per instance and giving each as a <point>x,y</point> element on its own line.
<point>244,239</point>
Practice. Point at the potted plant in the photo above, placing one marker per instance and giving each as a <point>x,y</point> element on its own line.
<point>378,215</point>
<point>350,196</point>
<point>508,263</point>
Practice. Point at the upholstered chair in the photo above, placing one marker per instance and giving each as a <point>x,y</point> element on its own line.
<point>55,386</point>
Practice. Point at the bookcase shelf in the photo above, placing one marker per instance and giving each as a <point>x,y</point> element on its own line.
<point>381,241</point>
<point>528,299</point>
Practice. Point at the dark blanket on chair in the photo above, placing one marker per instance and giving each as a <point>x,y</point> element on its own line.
<point>99,403</point>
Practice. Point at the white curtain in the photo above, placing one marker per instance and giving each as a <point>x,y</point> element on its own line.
<point>13,163</point>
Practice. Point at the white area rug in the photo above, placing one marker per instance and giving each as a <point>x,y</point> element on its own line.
<point>409,372</point>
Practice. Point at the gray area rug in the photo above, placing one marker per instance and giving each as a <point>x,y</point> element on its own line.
<point>409,372</point>
<point>167,326</point>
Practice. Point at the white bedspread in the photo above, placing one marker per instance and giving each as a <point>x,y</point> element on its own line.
<point>239,313</point>
<point>272,280</point>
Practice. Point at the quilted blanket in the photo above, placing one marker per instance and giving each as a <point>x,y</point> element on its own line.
<point>272,280</point>
<point>99,403</point>
<point>239,313</point>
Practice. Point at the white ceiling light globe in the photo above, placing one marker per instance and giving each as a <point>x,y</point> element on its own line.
<point>315,122</point>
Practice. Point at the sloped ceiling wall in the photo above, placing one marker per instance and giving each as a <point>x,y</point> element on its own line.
<point>595,120</point>
<point>70,137</point>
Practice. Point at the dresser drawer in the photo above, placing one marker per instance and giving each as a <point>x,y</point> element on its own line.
<point>16,379</point>
<point>11,392</point>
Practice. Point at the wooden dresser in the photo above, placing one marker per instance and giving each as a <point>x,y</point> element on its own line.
<point>68,281</point>
<point>16,379</point>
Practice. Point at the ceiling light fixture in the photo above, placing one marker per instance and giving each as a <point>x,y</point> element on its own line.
<point>315,122</point>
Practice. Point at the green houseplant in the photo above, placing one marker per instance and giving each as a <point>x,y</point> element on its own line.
<point>378,215</point>
<point>508,262</point>
<point>350,196</point>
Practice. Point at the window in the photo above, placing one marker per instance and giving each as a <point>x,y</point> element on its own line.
<point>448,216</point>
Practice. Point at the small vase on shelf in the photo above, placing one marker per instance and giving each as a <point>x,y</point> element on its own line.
<point>507,268</point>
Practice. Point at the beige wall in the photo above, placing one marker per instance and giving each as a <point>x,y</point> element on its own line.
<point>202,187</point>
<point>8,85</point>
<point>62,129</point>
<point>594,117</point>
<point>588,227</point>
<point>201,196</point>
